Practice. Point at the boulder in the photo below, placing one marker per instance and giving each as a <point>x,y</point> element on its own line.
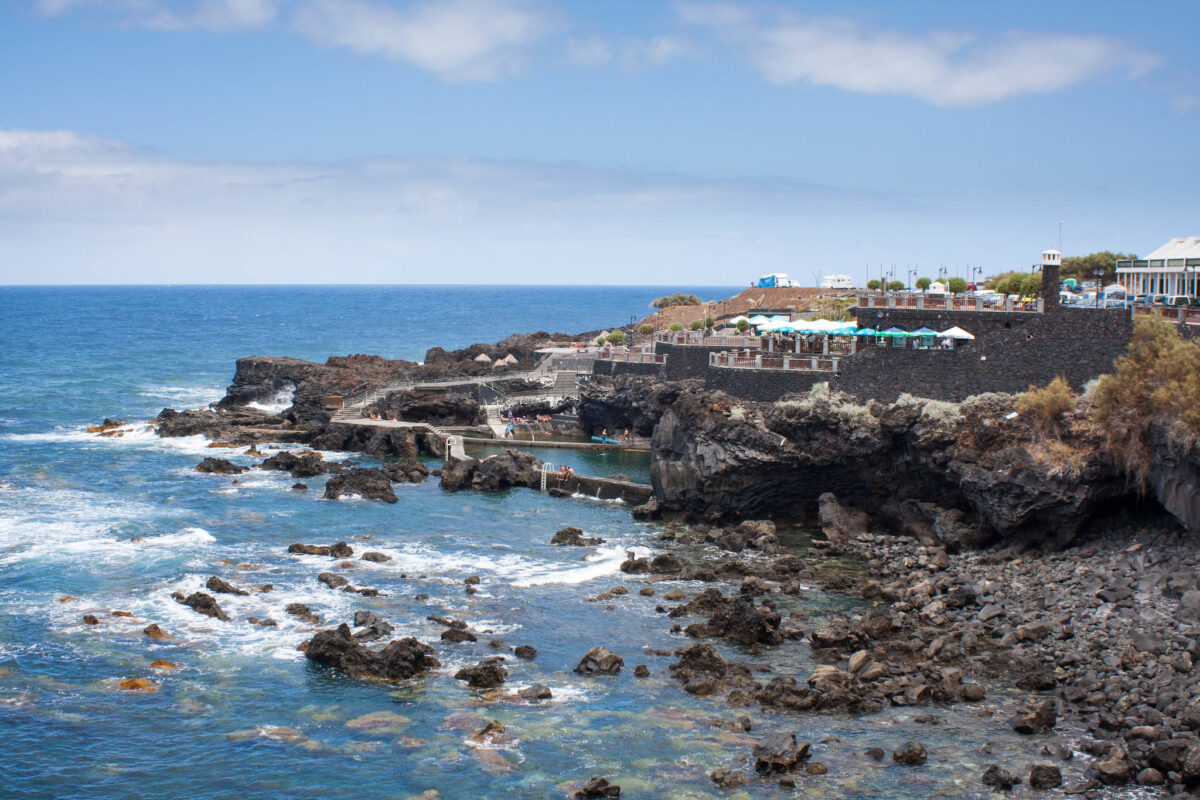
<point>204,604</point>
<point>535,692</point>
<point>309,549</point>
<point>526,651</point>
<point>222,586</point>
<point>910,754</point>
<point>700,669</point>
<point>487,674</point>
<point>332,580</point>
<point>742,622</point>
<point>597,788</point>
<point>301,611</point>
<point>376,557</point>
<point>219,466</point>
<point>1045,776</point>
<point>838,523</point>
<point>301,465</point>
<point>400,660</point>
<point>368,483</point>
<point>778,754</point>
<point>408,470</point>
<point>1038,718</point>
<point>600,661</point>
<point>341,550</point>
<point>999,778</point>
<point>574,536</point>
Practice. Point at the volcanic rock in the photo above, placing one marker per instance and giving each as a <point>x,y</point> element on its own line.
<point>367,482</point>
<point>401,659</point>
<point>600,661</point>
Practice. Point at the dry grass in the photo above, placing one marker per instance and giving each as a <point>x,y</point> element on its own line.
<point>1156,383</point>
<point>1044,407</point>
<point>1061,459</point>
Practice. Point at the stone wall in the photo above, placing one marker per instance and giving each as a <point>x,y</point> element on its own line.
<point>1011,351</point>
<point>603,367</point>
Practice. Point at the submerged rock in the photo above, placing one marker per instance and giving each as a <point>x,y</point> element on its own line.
<point>399,660</point>
<point>910,754</point>
<point>301,611</point>
<point>999,778</point>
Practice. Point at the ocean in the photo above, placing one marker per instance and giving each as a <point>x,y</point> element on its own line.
<point>96,526</point>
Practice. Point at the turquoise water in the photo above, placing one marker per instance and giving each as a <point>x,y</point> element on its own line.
<point>98,525</point>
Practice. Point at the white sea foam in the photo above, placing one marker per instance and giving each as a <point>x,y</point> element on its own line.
<point>280,401</point>
<point>187,396</point>
<point>135,435</point>
<point>604,561</point>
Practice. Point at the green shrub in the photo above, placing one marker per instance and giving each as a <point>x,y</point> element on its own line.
<point>924,283</point>
<point>709,322</point>
<point>1044,407</point>
<point>677,299</point>
<point>645,329</point>
<point>743,326</point>
<point>697,325</point>
<point>675,327</point>
<point>895,286</point>
<point>600,340</point>
<point>616,337</point>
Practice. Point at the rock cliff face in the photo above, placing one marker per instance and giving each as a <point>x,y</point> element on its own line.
<point>964,475</point>
<point>626,401</point>
<point>1175,475</point>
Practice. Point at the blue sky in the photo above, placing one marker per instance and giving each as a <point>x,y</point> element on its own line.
<point>533,141</point>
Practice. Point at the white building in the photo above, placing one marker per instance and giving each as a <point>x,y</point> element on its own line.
<point>837,282</point>
<point>1173,269</point>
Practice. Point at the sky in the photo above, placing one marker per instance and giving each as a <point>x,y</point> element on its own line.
<point>695,142</point>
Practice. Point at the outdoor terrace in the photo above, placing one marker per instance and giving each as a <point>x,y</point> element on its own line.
<point>752,359</point>
<point>945,302</point>
<point>626,355</point>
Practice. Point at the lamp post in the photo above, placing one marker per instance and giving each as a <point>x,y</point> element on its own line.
<point>911,272</point>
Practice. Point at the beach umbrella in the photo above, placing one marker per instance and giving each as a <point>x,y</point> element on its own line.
<point>955,333</point>
<point>843,328</point>
<point>923,332</point>
<point>866,332</point>
<point>894,331</point>
<point>759,319</point>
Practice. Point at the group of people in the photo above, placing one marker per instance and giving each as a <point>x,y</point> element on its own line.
<point>565,473</point>
<point>513,422</point>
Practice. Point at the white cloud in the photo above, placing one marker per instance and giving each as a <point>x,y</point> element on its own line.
<point>943,68</point>
<point>589,51</point>
<point>78,208</point>
<point>458,40</point>
<point>657,51</point>
<point>219,16</point>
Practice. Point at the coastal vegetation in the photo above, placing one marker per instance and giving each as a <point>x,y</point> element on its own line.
<point>616,337</point>
<point>1044,406</point>
<point>645,329</point>
<point>675,327</point>
<point>1154,391</point>
<point>677,299</point>
<point>1019,283</point>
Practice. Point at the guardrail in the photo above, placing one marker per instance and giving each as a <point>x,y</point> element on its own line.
<point>1181,314</point>
<point>946,302</point>
<point>759,361</point>
<point>624,355</point>
<point>698,338</point>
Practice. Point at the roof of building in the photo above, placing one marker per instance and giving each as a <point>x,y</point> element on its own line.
<point>1051,250</point>
<point>1187,247</point>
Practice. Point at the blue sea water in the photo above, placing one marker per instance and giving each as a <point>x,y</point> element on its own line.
<point>93,525</point>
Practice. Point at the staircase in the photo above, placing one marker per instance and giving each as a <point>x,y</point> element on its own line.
<point>495,420</point>
<point>566,384</point>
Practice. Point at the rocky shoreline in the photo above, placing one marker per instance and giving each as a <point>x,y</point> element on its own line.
<point>979,550</point>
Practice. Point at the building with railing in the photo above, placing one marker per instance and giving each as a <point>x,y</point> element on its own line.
<point>1172,271</point>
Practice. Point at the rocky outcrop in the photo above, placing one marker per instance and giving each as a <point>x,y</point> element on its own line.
<point>434,407</point>
<point>368,483</point>
<point>502,471</point>
<point>574,536</point>
<point>958,474</point>
<point>301,465</point>
<point>237,426</point>
<point>1174,475</point>
<point>620,402</point>
<point>219,466</point>
<point>408,470</point>
<point>399,660</point>
<point>379,442</point>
